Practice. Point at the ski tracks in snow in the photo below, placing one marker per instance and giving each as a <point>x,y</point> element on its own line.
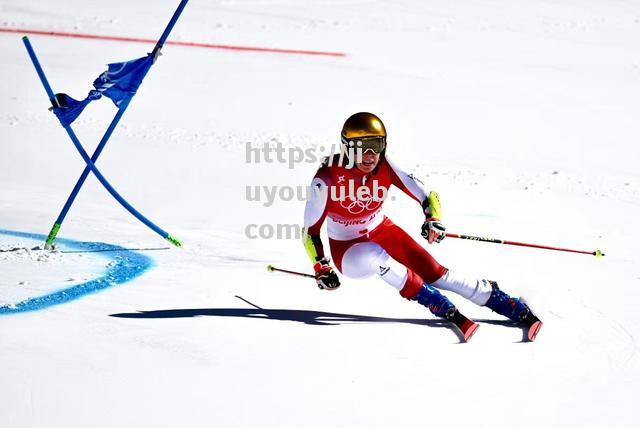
<point>604,334</point>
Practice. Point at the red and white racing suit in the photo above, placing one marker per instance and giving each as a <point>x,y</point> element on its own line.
<point>365,242</point>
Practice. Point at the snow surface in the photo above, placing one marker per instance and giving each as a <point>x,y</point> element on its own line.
<point>523,115</point>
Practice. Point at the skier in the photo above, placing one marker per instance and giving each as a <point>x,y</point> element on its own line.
<point>363,242</point>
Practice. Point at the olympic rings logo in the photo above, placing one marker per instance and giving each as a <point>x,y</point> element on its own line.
<point>357,206</point>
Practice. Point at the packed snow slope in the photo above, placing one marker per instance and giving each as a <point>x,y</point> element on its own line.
<point>522,115</point>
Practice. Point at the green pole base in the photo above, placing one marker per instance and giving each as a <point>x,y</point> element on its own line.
<point>175,241</point>
<point>48,245</point>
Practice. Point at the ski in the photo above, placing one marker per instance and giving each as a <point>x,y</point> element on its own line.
<point>533,324</point>
<point>532,333</point>
<point>466,326</point>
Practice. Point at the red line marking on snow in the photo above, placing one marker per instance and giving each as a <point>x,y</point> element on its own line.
<point>169,42</point>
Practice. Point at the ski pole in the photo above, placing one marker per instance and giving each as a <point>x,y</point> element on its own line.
<point>272,268</point>
<point>597,253</point>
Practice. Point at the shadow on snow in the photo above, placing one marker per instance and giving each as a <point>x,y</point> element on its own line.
<point>295,315</point>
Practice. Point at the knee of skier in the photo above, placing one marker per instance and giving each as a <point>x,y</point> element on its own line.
<point>403,279</point>
<point>412,285</point>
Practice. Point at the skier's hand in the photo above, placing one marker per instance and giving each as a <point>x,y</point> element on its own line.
<point>326,278</point>
<point>433,230</point>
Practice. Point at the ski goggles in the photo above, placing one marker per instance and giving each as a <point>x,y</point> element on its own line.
<point>376,144</point>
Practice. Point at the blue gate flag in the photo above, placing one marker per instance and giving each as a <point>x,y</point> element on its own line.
<point>122,79</point>
<point>119,83</point>
<point>67,109</point>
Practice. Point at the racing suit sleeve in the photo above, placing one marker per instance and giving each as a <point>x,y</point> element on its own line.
<point>315,212</point>
<point>413,187</point>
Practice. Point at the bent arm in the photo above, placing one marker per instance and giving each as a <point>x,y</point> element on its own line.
<point>413,187</point>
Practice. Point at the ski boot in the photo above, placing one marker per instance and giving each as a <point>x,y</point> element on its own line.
<point>441,307</point>
<point>514,309</point>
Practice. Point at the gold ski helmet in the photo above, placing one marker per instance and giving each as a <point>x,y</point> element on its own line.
<point>365,130</point>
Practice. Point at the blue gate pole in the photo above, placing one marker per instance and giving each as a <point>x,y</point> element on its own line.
<point>96,154</point>
<point>167,30</point>
<point>76,189</point>
<point>86,157</point>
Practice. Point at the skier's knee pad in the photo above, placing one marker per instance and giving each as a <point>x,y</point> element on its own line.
<point>478,291</point>
<point>363,260</point>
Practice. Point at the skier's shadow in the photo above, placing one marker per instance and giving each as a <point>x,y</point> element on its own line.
<point>295,315</point>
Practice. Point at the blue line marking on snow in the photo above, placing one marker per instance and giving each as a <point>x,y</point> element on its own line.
<point>125,266</point>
